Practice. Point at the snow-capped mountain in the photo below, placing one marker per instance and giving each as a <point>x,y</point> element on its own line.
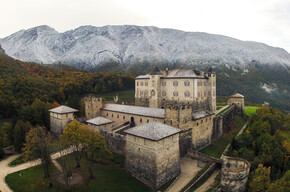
<point>2,50</point>
<point>88,46</point>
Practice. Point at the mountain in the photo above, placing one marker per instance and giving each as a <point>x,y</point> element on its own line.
<point>88,47</point>
<point>256,70</point>
<point>2,50</point>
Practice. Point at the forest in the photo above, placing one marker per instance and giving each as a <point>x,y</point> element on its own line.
<point>28,90</point>
<point>266,145</point>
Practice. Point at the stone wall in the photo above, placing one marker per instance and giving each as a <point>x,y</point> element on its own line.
<point>234,174</point>
<point>115,142</point>
<point>58,122</point>
<point>153,162</point>
<point>185,141</point>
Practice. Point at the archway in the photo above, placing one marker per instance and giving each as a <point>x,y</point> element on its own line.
<point>132,122</point>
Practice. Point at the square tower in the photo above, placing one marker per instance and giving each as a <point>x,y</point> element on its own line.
<point>60,117</point>
<point>93,106</point>
<point>238,100</point>
<point>152,153</point>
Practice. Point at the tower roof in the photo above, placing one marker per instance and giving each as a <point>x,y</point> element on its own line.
<point>99,121</point>
<point>237,95</point>
<point>156,71</point>
<point>154,131</point>
<point>63,109</point>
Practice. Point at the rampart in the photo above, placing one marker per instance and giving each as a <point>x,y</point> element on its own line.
<point>115,142</point>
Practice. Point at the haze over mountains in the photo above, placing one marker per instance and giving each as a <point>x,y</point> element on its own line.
<point>87,47</point>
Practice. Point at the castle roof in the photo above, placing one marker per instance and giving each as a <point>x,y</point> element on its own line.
<point>63,109</point>
<point>136,110</point>
<point>153,131</point>
<point>156,71</point>
<point>200,114</point>
<point>176,73</point>
<point>99,121</point>
<point>237,95</point>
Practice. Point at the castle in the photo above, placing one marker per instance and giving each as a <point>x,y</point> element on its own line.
<point>174,111</point>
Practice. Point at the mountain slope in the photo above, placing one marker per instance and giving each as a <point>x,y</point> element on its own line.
<point>87,47</point>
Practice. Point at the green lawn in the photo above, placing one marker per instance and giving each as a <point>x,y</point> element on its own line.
<point>218,107</point>
<point>217,147</point>
<point>251,110</point>
<point>126,96</point>
<point>223,111</point>
<point>108,177</point>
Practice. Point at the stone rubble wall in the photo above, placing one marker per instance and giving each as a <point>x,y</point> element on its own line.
<point>115,142</point>
<point>185,141</point>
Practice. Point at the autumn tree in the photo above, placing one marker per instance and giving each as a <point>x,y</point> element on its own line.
<point>19,133</point>
<point>6,135</point>
<point>281,185</point>
<point>76,135</point>
<point>261,179</point>
<point>38,145</point>
<point>94,148</point>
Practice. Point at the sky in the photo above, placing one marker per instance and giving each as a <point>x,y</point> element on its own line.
<point>266,21</point>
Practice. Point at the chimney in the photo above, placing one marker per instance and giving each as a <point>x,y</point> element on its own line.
<point>166,71</point>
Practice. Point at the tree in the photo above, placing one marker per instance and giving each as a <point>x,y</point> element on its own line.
<point>261,179</point>
<point>19,133</point>
<point>6,135</point>
<point>95,147</point>
<point>38,146</point>
<point>281,185</point>
<point>66,168</point>
<point>75,135</point>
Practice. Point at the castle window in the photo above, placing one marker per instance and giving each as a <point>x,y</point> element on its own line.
<point>197,124</point>
<point>163,83</point>
<point>141,83</point>
<point>206,120</point>
<point>146,83</point>
<point>199,83</point>
<point>137,92</point>
<point>66,115</point>
<point>146,93</point>
<point>209,93</point>
<point>118,116</point>
<point>140,120</point>
<point>163,93</point>
<point>107,114</point>
<point>175,94</point>
<point>112,115</point>
<point>210,118</point>
<point>152,93</point>
<point>124,117</point>
<point>175,83</point>
<point>141,93</point>
<point>186,94</point>
<point>137,83</point>
<point>201,122</point>
<point>170,122</point>
<point>186,83</point>
<point>147,120</point>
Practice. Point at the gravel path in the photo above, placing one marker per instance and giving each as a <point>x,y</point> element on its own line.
<point>6,170</point>
<point>189,169</point>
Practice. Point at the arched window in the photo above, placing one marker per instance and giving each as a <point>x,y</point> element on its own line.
<point>186,93</point>
<point>137,83</point>
<point>146,83</point>
<point>175,83</point>
<point>140,120</point>
<point>152,93</point>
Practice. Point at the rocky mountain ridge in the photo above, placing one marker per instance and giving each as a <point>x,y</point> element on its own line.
<point>88,47</point>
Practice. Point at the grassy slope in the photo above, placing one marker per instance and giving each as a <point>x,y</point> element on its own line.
<point>108,178</point>
<point>251,110</point>
<point>217,147</point>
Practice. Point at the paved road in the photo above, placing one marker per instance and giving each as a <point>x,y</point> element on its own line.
<point>5,169</point>
<point>189,169</point>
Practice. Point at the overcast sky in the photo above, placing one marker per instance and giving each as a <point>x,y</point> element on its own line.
<point>266,21</point>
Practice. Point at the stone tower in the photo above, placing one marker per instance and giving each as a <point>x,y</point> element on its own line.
<point>93,106</point>
<point>178,115</point>
<point>60,117</point>
<point>152,153</point>
<point>237,99</point>
<point>155,88</point>
<point>211,90</point>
